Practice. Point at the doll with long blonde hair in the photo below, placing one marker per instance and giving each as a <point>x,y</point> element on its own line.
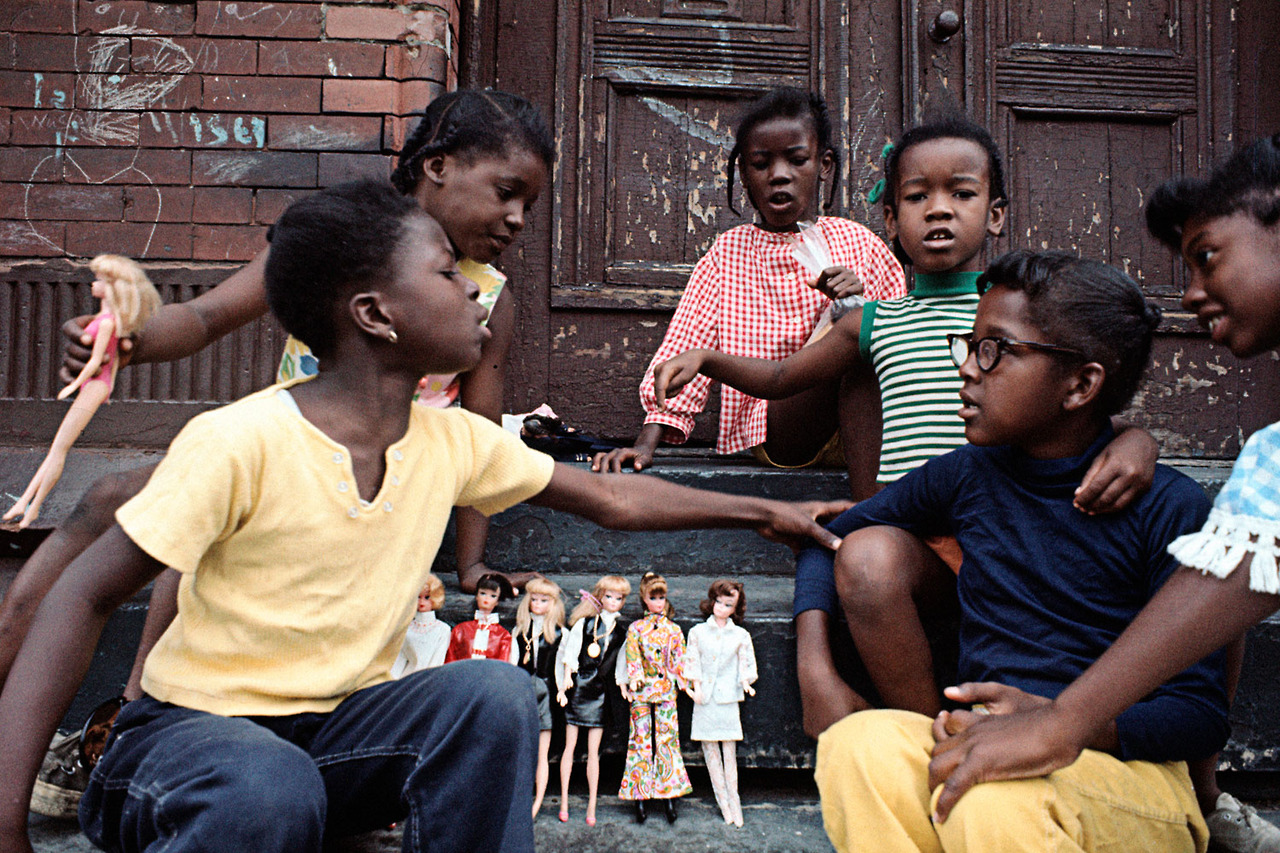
<point>128,299</point>
<point>589,651</point>
<point>539,624</point>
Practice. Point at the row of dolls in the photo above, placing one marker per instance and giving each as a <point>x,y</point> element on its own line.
<point>648,662</point>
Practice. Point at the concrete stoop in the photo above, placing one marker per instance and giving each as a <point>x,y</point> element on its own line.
<point>574,553</point>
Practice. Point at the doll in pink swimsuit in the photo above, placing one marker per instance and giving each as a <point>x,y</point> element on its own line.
<point>128,301</point>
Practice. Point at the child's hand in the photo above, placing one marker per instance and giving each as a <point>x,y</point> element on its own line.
<point>675,373</point>
<point>1120,475</point>
<point>838,282</point>
<point>1024,745</point>
<point>78,348</point>
<point>796,525</point>
<point>987,698</point>
<point>612,461</point>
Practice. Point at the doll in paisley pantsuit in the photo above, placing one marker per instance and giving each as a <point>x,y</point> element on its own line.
<point>654,672</point>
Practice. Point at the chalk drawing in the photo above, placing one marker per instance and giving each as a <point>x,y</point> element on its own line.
<point>113,102</point>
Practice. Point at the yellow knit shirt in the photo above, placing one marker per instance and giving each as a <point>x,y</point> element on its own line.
<point>295,593</point>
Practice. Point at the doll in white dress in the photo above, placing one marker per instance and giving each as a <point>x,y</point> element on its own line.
<point>720,666</point>
<point>427,638</point>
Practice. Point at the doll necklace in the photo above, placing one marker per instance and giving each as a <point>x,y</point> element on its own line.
<point>593,650</point>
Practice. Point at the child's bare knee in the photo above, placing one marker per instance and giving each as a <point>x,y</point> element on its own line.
<point>867,574</point>
<point>96,510</point>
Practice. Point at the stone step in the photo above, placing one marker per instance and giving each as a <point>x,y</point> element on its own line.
<point>575,553</point>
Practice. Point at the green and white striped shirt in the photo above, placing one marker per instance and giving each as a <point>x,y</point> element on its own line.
<point>906,341</point>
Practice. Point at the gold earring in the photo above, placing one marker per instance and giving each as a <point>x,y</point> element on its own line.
<point>392,336</point>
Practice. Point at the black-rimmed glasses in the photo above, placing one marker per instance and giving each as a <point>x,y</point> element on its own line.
<point>988,350</point>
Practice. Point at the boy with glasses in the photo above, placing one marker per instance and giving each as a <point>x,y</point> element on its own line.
<point>1059,344</point>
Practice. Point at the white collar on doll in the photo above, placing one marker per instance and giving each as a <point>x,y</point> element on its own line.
<point>486,619</point>
<point>608,618</point>
<point>535,627</point>
<point>728,623</point>
<point>424,617</point>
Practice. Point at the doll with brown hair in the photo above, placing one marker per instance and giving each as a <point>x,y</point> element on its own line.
<point>654,670</point>
<point>128,300</point>
<point>589,651</point>
<point>539,625</point>
<point>720,664</point>
<point>427,638</point>
<point>482,637</point>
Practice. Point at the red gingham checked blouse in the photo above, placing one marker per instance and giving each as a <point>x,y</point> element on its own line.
<point>749,296</point>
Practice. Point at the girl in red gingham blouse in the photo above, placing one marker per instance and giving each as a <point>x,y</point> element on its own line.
<point>751,296</point>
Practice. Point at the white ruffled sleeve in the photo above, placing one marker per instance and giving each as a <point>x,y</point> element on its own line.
<point>1244,521</point>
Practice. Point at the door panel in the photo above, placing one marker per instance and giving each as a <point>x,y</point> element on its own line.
<point>1093,103</point>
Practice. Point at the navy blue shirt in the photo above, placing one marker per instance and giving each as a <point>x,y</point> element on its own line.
<point>1045,589</point>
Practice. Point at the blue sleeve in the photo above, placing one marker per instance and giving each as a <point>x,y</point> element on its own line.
<point>1186,717</point>
<point>919,502</point>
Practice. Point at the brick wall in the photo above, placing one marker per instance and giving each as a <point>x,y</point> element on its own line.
<point>176,131</point>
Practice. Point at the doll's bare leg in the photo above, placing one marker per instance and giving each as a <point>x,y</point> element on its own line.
<point>825,698</point>
<point>91,396</point>
<point>566,768</point>
<point>886,579</point>
<point>543,770</point>
<point>715,769</point>
<point>594,735</point>
<point>731,779</point>
<point>92,516</point>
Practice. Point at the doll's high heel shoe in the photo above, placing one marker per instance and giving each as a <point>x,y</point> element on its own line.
<point>641,814</point>
<point>564,816</point>
<point>670,807</point>
<point>591,821</point>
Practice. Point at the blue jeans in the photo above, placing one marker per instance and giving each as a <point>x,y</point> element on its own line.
<point>449,751</point>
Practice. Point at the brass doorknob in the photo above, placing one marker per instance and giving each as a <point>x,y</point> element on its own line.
<point>946,25</point>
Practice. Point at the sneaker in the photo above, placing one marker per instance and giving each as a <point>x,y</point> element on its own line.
<point>62,779</point>
<point>1235,827</point>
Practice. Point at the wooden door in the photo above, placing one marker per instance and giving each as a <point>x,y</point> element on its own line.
<point>644,95</point>
<point>1093,102</point>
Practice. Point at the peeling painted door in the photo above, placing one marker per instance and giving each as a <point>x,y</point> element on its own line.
<point>1094,102</point>
<point>643,95</point>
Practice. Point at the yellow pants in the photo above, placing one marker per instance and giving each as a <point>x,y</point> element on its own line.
<point>873,774</point>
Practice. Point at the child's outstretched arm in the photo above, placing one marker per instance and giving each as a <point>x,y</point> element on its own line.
<point>1121,473</point>
<point>53,660</point>
<point>648,503</point>
<point>826,359</point>
<point>1190,617</point>
<point>180,329</point>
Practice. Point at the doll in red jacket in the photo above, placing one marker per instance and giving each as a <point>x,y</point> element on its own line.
<point>482,637</point>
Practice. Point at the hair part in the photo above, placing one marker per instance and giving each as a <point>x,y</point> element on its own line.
<point>653,583</point>
<point>328,245</point>
<point>433,588</point>
<point>608,583</point>
<point>134,299</point>
<point>786,102</point>
<point>1088,306</point>
<point>724,586</point>
<point>472,123</point>
<point>555,613</point>
<point>1246,182</point>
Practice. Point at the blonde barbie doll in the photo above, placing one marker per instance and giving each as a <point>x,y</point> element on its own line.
<point>128,301</point>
